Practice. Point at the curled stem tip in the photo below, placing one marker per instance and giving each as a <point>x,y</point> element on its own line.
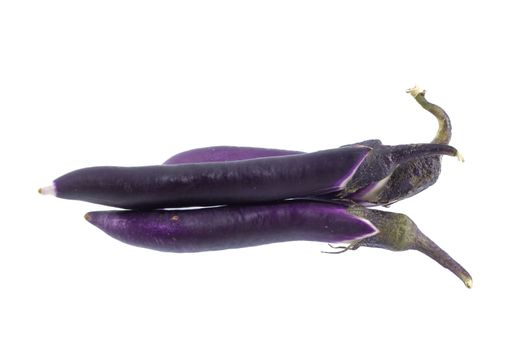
<point>444,133</point>
<point>414,91</point>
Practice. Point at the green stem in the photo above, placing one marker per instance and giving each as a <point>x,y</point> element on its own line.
<point>397,232</point>
<point>444,133</point>
<point>404,153</point>
<point>426,246</point>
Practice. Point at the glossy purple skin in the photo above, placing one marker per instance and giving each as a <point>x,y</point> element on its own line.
<point>231,227</point>
<point>205,184</point>
<point>225,153</point>
<point>233,153</point>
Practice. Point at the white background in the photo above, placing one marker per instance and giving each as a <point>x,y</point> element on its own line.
<point>134,82</point>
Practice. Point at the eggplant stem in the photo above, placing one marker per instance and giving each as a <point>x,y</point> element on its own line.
<point>444,133</point>
<point>397,232</point>
<point>404,153</point>
<point>426,246</point>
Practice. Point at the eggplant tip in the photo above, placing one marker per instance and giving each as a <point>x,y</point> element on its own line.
<point>416,90</point>
<point>460,157</point>
<point>49,190</point>
<point>468,282</point>
<point>88,217</point>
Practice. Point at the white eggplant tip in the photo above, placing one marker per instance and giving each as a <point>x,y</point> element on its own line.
<point>468,282</point>
<point>460,157</point>
<point>416,90</point>
<point>49,190</point>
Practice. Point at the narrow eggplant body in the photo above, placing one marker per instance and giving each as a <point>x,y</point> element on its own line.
<point>226,153</point>
<point>204,184</point>
<point>233,153</point>
<point>231,227</point>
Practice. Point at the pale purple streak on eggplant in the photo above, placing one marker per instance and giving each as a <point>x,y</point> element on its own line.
<point>231,227</point>
<point>205,184</point>
<point>225,153</point>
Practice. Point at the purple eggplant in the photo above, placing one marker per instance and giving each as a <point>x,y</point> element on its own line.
<point>337,171</point>
<point>233,153</point>
<point>268,195</point>
<point>407,180</point>
<point>230,227</point>
<point>204,184</point>
<point>225,153</point>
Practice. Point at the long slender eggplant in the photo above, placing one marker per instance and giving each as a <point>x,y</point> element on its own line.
<point>337,171</point>
<point>232,226</point>
<point>225,153</point>
<point>234,153</point>
<point>405,181</point>
<point>204,184</point>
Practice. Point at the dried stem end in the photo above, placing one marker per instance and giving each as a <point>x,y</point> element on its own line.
<point>416,90</point>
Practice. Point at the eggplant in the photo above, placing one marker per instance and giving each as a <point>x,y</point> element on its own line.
<point>269,195</point>
<point>409,179</point>
<point>234,153</point>
<point>231,227</point>
<point>206,184</point>
<point>339,171</point>
<point>225,153</point>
